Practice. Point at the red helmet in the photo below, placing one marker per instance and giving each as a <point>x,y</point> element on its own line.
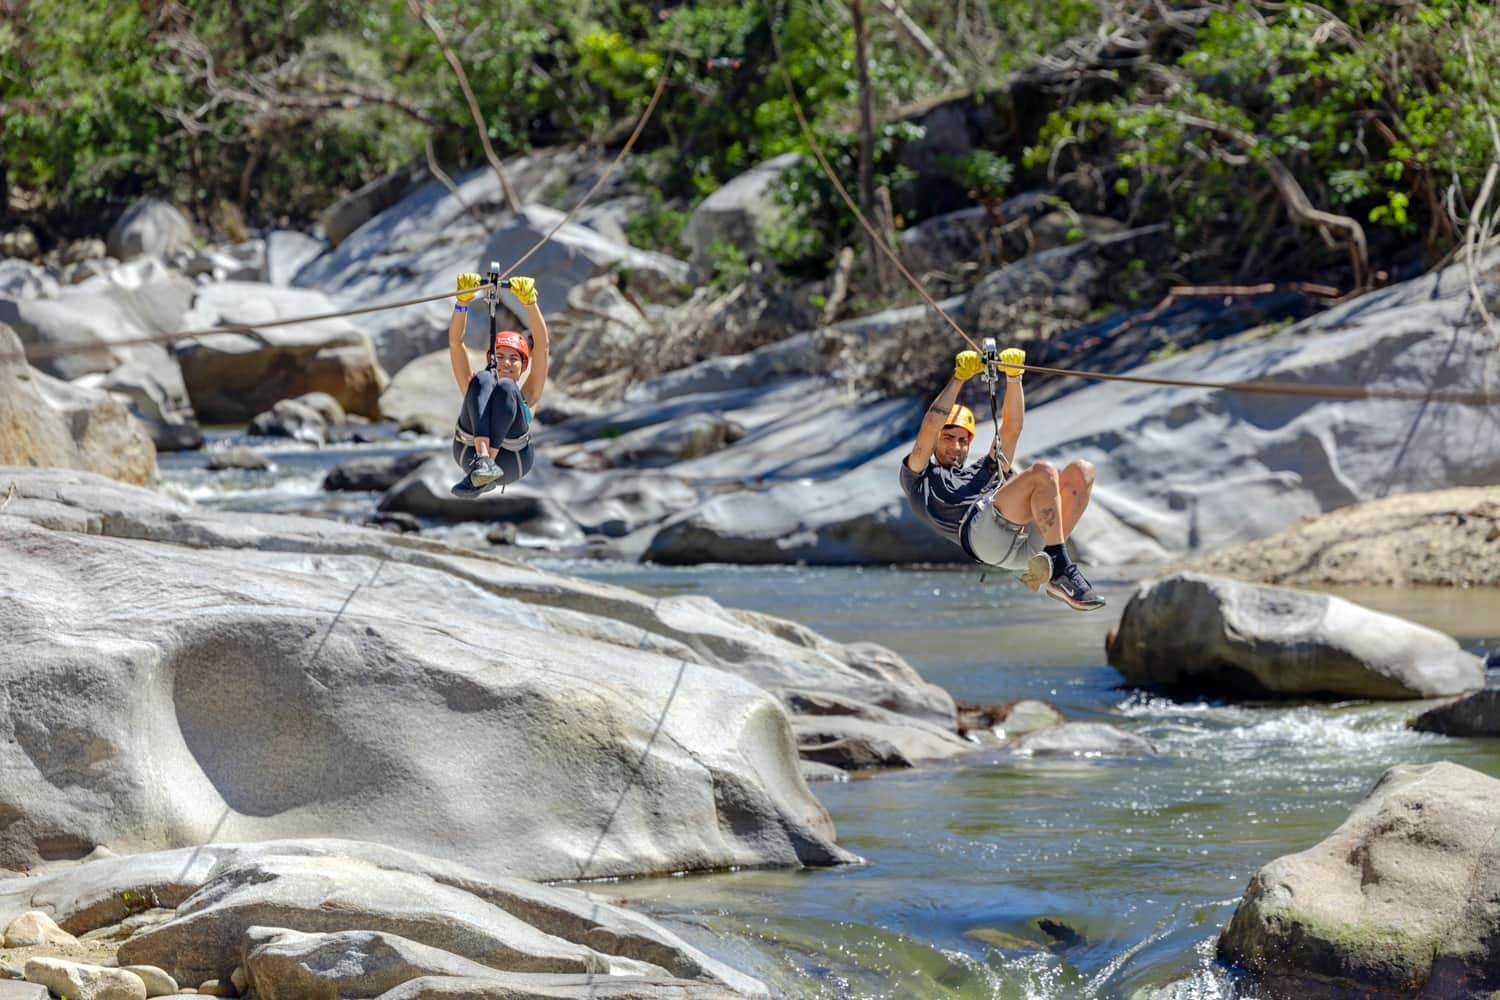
<point>516,342</point>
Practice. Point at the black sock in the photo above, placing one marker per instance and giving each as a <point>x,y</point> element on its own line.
<point>1060,561</point>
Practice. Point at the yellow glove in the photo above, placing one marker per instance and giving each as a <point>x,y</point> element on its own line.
<point>467,282</point>
<point>1010,361</point>
<point>524,289</point>
<point>967,365</point>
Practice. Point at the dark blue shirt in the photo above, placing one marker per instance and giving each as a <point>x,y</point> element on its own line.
<point>941,496</point>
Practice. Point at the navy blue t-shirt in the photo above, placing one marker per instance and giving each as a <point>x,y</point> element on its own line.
<point>941,496</point>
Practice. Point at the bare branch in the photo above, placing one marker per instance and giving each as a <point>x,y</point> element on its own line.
<point>512,200</point>
<point>923,42</point>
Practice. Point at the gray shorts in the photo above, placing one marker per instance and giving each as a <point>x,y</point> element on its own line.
<point>995,540</point>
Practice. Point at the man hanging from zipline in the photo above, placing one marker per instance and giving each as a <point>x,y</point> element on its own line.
<point>492,440</point>
<point>1001,518</point>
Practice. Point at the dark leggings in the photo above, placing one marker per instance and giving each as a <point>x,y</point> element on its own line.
<point>494,408</point>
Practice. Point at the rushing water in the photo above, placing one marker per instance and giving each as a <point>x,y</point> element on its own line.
<point>1133,864</point>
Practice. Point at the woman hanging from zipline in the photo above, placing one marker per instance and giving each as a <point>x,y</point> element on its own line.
<point>492,442</point>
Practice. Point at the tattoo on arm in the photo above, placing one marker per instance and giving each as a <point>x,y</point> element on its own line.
<point>938,411</point>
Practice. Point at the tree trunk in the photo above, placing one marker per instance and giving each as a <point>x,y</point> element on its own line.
<point>866,131</point>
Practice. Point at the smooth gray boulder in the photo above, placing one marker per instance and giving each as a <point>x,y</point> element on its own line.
<point>357,207</point>
<point>372,474</point>
<point>307,418</point>
<point>1083,739</point>
<point>237,457</point>
<point>1221,636</point>
<point>82,981</point>
<point>1403,899</point>
<point>287,252</point>
<point>149,226</point>
<point>85,327</point>
<point>739,210</point>
<point>694,436</point>
<point>574,255</point>
<point>290,965</point>
<point>329,895</point>
<point>497,986</point>
<point>122,893</point>
<point>1477,714</point>
<point>47,422</point>
<point>375,655</point>
<point>21,279</point>
<point>233,376</point>
<point>416,246</point>
<point>852,743</point>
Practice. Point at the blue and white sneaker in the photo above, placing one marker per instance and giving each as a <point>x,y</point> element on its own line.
<point>465,488</point>
<point>1073,590</point>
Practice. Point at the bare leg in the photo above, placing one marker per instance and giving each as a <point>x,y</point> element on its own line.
<point>1076,485</point>
<point>482,447</point>
<point>1033,497</point>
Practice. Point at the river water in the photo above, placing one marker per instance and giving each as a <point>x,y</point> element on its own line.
<point>1133,864</point>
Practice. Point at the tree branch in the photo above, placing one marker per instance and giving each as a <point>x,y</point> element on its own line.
<point>512,200</point>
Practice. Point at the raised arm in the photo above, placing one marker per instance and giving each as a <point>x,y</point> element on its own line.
<point>458,354</point>
<point>1013,406</point>
<point>541,347</point>
<point>965,366</point>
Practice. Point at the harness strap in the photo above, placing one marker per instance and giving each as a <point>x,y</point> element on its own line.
<point>518,443</point>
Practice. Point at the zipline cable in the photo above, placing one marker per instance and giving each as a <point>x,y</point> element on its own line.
<point>44,352</point>
<point>1258,386</point>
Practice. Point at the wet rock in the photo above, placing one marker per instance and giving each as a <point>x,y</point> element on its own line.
<point>1084,739</point>
<point>149,226</point>
<point>1398,901</point>
<point>291,418</point>
<point>78,981</point>
<point>1206,633</point>
<point>814,771</point>
<point>854,743</point>
<point>233,376</point>
<point>48,422</point>
<point>1477,714</point>
<point>36,928</point>
<point>1027,716</point>
<point>401,524</point>
<point>501,534</point>
<point>238,457</point>
<point>373,474</point>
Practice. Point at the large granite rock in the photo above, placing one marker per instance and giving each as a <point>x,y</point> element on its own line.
<point>21,279</point>
<point>416,246</point>
<point>423,395</point>
<point>47,422</point>
<point>149,226</point>
<point>639,730</point>
<point>83,328</point>
<point>233,376</point>
<point>1477,714</point>
<point>334,917</point>
<point>1402,900</point>
<point>1211,634</point>
<point>1183,470</point>
<point>737,212</point>
<point>1445,538</point>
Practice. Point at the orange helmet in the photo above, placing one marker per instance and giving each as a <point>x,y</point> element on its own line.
<point>518,343</point>
<point>961,416</point>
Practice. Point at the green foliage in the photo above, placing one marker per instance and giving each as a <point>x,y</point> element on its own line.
<point>1376,109</point>
<point>731,265</point>
<point>984,174</point>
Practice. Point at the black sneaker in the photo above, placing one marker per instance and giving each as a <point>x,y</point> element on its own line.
<point>465,489</point>
<point>483,471</point>
<point>1073,590</point>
